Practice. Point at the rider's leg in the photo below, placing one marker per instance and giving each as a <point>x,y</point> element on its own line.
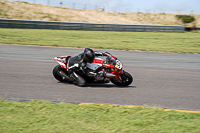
<point>79,80</point>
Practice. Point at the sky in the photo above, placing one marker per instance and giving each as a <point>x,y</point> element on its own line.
<point>145,6</point>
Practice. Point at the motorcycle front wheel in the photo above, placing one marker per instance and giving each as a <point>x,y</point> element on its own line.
<point>127,79</point>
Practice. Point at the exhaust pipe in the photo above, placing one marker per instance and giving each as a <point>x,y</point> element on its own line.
<point>109,75</point>
<point>61,73</point>
<point>104,74</point>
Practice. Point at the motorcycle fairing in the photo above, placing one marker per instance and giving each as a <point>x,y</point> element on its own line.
<point>116,66</point>
<point>96,64</point>
<point>62,60</point>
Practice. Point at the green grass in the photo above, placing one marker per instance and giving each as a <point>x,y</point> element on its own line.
<point>47,117</point>
<point>188,42</point>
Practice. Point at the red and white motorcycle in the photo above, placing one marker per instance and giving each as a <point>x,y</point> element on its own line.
<point>100,71</point>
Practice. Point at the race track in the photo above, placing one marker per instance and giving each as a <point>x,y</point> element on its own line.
<point>161,79</point>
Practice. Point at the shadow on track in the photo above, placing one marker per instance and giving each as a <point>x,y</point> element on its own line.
<point>106,85</point>
<point>99,85</point>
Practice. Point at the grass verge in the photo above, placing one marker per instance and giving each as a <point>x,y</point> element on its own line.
<point>48,117</point>
<point>188,42</point>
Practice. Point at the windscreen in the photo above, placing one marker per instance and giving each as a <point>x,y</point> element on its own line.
<point>117,63</point>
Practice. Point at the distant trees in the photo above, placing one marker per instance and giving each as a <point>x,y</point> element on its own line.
<point>186,18</point>
<point>188,21</point>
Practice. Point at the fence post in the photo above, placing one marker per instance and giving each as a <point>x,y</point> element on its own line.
<point>74,5</point>
<point>48,2</point>
<point>85,6</point>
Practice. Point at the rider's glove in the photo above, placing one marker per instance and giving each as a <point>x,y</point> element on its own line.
<point>100,54</point>
<point>107,52</point>
<point>82,66</point>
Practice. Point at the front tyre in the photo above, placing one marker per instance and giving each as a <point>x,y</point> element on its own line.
<point>127,79</point>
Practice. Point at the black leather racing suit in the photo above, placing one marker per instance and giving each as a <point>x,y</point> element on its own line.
<point>77,63</point>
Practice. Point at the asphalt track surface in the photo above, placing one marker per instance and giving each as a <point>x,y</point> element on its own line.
<point>168,80</point>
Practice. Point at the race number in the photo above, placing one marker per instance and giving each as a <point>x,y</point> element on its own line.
<point>118,64</point>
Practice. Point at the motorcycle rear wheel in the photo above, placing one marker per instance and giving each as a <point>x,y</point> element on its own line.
<point>55,71</point>
<point>127,79</point>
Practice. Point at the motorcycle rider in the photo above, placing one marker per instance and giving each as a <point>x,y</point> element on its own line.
<point>79,62</point>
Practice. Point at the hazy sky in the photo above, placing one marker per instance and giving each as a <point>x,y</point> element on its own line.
<point>150,6</point>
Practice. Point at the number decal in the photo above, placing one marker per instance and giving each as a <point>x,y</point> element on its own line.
<point>118,64</point>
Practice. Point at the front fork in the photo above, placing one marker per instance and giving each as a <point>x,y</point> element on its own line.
<point>119,76</point>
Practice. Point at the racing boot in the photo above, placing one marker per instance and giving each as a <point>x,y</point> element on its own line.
<point>78,79</point>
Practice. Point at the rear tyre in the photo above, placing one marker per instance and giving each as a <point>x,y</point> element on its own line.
<point>55,71</point>
<point>127,79</point>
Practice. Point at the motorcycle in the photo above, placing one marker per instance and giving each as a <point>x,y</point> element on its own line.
<point>100,71</point>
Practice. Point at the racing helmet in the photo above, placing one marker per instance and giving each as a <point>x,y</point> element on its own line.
<point>88,55</point>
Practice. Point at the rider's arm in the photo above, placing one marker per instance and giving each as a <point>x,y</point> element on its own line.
<point>100,54</point>
<point>76,62</point>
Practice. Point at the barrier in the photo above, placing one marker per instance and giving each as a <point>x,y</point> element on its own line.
<point>32,24</point>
